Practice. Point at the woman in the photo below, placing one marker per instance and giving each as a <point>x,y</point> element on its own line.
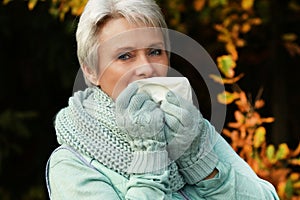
<point>116,142</point>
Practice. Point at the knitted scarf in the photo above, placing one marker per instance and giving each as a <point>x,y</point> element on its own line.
<point>88,125</point>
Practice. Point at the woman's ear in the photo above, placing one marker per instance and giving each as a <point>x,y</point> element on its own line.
<point>90,74</point>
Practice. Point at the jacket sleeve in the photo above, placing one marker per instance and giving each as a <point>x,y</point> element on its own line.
<point>235,180</point>
<point>148,186</point>
<point>70,178</point>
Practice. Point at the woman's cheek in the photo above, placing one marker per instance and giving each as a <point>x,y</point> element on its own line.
<point>120,82</point>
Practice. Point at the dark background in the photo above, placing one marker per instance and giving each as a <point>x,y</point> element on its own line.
<point>39,65</point>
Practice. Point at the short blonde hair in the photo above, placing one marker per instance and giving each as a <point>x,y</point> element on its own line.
<point>97,12</point>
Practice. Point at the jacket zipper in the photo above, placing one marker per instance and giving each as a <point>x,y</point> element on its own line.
<point>184,195</point>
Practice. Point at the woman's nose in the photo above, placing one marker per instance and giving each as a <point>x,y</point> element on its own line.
<point>145,68</point>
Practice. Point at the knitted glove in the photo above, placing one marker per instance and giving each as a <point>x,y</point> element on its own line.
<point>185,129</point>
<point>143,121</point>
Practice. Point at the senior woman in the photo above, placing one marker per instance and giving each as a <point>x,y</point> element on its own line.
<point>115,142</point>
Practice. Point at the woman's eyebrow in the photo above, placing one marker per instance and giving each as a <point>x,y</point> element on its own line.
<point>125,48</point>
<point>157,44</point>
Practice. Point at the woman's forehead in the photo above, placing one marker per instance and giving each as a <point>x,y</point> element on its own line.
<point>120,31</point>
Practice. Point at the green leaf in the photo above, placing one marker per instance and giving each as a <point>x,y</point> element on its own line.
<point>270,152</point>
<point>226,65</point>
<point>215,3</point>
<point>259,137</point>
<point>227,97</point>
<point>289,189</point>
<point>282,151</point>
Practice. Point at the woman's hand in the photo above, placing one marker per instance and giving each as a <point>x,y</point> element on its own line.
<point>183,126</point>
<point>189,138</point>
<point>143,121</point>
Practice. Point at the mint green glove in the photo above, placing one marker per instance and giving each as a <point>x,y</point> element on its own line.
<point>188,135</point>
<point>183,123</point>
<point>143,121</point>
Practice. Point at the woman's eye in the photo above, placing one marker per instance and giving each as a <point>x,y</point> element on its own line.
<point>124,56</point>
<point>155,52</point>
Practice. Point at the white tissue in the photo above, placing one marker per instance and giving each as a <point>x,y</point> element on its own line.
<point>157,87</point>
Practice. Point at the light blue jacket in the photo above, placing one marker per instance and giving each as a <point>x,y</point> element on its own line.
<point>72,176</point>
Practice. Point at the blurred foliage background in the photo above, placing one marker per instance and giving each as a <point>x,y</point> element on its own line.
<point>254,43</point>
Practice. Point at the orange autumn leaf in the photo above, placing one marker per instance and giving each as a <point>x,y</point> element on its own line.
<point>247,4</point>
<point>292,48</point>
<point>289,37</point>
<point>259,104</point>
<point>295,161</point>
<point>256,21</point>
<point>4,2</point>
<point>31,4</point>
<point>217,78</point>
<point>267,120</point>
<point>254,165</point>
<point>280,175</point>
<point>296,152</point>
<point>252,120</point>
<point>199,4</point>
<point>246,27</point>
<point>233,80</point>
<point>281,189</point>
<point>235,139</point>
<point>295,176</point>
<point>240,43</point>
<point>234,125</point>
<point>231,49</point>
<point>242,103</point>
<point>224,38</point>
<point>243,131</point>
<point>226,132</point>
<point>296,185</point>
<point>240,118</point>
<point>221,80</point>
<point>227,97</point>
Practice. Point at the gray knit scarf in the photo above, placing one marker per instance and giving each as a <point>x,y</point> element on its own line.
<point>88,125</point>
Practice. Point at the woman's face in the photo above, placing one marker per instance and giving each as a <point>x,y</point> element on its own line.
<point>128,53</point>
